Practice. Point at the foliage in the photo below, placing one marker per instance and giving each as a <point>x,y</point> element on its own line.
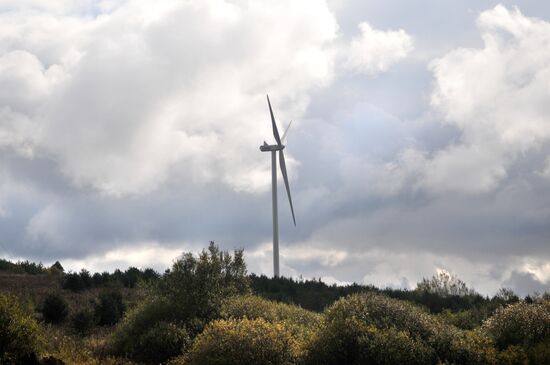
<point>472,347</point>
<point>131,277</point>
<point>161,342</point>
<point>136,322</point>
<point>520,324</point>
<point>252,307</point>
<point>110,308</point>
<point>197,285</point>
<point>83,280</point>
<point>350,321</point>
<point>189,295</point>
<point>316,295</point>
<point>361,324</point>
<point>468,319</point>
<point>391,346</point>
<point>55,308</point>
<point>72,281</point>
<point>244,341</point>
<point>539,353</point>
<point>20,334</point>
<point>444,284</point>
<point>22,267</point>
<point>82,321</point>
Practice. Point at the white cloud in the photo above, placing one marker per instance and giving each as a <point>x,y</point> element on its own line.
<point>497,96</point>
<point>137,254</point>
<point>375,51</point>
<point>123,99</point>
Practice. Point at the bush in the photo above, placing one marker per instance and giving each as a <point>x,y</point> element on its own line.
<point>252,307</point>
<point>472,348</point>
<point>348,327</point>
<point>20,335</point>
<point>519,324</point>
<point>391,346</point>
<point>54,308</point>
<point>82,322</point>
<point>110,308</point>
<point>162,342</point>
<point>136,322</point>
<point>243,341</point>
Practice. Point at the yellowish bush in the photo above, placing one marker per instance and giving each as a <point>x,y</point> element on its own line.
<point>520,324</point>
<point>244,341</point>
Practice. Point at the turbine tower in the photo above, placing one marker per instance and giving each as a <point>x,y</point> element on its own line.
<point>273,149</point>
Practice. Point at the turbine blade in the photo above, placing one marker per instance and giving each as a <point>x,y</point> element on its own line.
<point>285,178</point>
<point>286,130</point>
<point>275,131</point>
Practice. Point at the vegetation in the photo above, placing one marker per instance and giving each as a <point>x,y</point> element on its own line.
<point>20,335</point>
<point>206,310</point>
<point>110,308</point>
<point>245,341</point>
<point>55,308</point>
<point>83,321</point>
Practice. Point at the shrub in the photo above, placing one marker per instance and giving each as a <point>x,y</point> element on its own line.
<point>162,342</point>
<point>20,335</point>
<point>349,322</point>
<point>82,321</point>
<point>519,324</point>
<point>136,322</point>
<point>252,307</point>
<point>539,354</point>
<point>472,348</point>
<point>243,341</point>
<point>391,346</point>
<point>55,308</point>
<point>513,355</point>
<point>110,308</point>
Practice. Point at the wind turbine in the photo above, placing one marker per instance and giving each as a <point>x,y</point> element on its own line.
<point>273,149</point>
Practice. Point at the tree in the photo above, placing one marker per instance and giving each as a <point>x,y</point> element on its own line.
<point>197,285</point>
<point>110,308</point>
<point>187,297</point>
<point>55,308</point>
<point>444,284</point>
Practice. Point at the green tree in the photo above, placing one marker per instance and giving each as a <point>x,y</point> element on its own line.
<point>20,335</point>
<point>198,285</point>
<point>186,297</point>
<point>55,308</point>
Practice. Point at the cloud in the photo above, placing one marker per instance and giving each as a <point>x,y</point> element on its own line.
<point>124,99</point>
<point>375,51</point>
<point>524,283</point>
<point>497,98</point>
<point>129,131</point>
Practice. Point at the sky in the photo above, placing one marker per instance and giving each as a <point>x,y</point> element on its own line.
<point>420,138</point>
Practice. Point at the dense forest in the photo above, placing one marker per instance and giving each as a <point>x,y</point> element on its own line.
<point>206,309</point>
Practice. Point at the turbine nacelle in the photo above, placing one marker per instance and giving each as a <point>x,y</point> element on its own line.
<point>271,147</point>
